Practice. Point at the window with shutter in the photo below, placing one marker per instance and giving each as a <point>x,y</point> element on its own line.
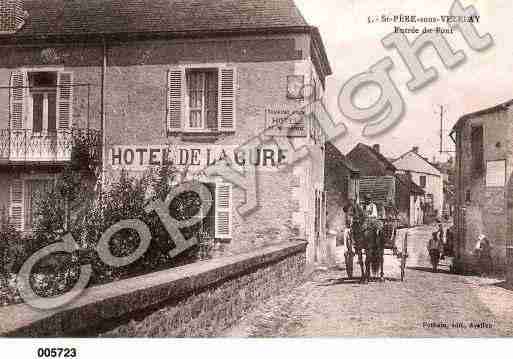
<point>201,99</point>
<point>64,99</point>
<point>227,93</point>
<point>223,211</point>
<point>17,204</point>
<point>42,95</point>
<point>18,100</point>
<point>175,98</point>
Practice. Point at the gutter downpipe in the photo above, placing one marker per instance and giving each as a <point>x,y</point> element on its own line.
<point>102,109</point>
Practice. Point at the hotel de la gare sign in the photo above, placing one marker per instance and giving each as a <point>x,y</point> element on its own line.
<point>279,122</point>
<point>195,157</point>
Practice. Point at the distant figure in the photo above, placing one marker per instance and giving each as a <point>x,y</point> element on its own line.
<point>441,238</point>
<point>484,254</point>
<point>435,248</point>
<point>347,238</point>
<point>449,242</point>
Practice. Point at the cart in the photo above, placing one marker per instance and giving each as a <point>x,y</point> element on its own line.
<point>389,233</point>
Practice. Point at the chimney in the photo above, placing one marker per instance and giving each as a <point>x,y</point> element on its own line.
<point>376,148</point>
<point>415,149</point>
<point>12,16</point>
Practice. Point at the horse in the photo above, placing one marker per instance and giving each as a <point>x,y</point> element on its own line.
<point>367,236</point>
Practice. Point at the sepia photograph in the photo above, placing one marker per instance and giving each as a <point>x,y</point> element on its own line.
<point>254,169</point>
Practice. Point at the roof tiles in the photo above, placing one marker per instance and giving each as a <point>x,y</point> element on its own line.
<point>67,17</point>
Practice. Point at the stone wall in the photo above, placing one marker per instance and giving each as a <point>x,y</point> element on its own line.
<point>201,299</point>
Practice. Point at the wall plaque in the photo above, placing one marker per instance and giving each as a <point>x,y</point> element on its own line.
<point>286,122</point>
<point>496,173</point>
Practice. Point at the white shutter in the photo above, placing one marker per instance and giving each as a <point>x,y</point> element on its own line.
<point>175,98</point>
<point>227,93</point>
<point>16,209</point>
<point>18,99</point>
<point>223,211</point>
<point>64,99</point>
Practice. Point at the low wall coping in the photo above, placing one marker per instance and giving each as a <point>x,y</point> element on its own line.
<point>116,299</point>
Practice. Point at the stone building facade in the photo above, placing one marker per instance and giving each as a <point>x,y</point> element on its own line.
<point>161,84</point>
<point>484,201</point>
<point>425,175</point>
<point>341,182</point>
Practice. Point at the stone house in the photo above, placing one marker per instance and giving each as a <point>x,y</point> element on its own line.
<point>483,183</point>
<point>341,182</point>
<point>178,81</point>
<point>416,198</point>
<point>394,193</point>
<point>426,175</point>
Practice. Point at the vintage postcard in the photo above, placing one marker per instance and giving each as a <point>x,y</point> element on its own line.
<point>255,168</point>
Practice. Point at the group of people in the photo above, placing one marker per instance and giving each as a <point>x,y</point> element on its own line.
<point>442,244</point>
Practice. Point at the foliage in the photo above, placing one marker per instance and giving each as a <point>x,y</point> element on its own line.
<point>86,150</point>
<point>12,248</point>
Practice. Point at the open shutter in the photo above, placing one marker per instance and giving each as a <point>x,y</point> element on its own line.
<point>175,98</point>
<point>227,92</point>
<point>223,211</point>
<point>17,204</point>
<point>64,99</point>
<point>18,99</point>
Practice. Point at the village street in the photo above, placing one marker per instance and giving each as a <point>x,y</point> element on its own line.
<point>425,304</point>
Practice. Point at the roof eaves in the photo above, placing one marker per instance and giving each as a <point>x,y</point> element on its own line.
<point>319,45</point>
<point>501,107</point>
<point>18,39</point>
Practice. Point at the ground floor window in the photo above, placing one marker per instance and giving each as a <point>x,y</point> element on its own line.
<point>217,223</point>
<point>24,197</point>
<point>34,190</point>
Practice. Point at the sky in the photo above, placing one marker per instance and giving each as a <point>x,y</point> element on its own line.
<point>353,46</point>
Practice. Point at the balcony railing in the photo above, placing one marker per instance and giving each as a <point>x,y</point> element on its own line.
<point>27,146</point>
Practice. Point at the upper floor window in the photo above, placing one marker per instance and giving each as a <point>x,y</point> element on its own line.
<point>423,181</point>
<point>201,99</point>
<point>41,101</point>
<point>202,93</point>
<point>477,150</point>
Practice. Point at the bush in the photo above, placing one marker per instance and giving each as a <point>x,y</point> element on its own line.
<point>12,246</point>
<point>128,198</point>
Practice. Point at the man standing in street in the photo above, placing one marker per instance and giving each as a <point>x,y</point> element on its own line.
<point>435,247</point>
<point>441,238</point>
<point>484,255</point>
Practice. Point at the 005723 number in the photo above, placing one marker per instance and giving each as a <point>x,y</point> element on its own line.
<point>56,352</point>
